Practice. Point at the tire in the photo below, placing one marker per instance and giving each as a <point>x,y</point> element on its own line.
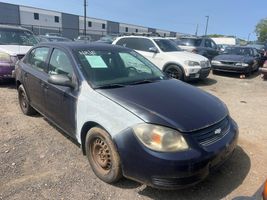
<point>175,72</point>
<point>214,72</point>
<point>24,102</point>
<point>103,155</point>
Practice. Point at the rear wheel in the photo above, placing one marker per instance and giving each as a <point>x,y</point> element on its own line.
<point>175,72</point>
<point>24,103</point>
<point>102,155</point>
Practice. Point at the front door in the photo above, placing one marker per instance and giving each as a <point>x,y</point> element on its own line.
<point>60,100</point>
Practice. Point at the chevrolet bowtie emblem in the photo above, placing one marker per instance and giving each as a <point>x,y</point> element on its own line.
<point>218,131</point>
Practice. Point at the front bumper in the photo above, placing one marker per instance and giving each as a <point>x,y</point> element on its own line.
<point>229,68</point>
<point>177,169</point>
<point>201,74</point>
<point>6,70</point>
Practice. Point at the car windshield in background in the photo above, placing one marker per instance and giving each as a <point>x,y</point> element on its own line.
<point>16,37</point>
<point>238,51</point>
<point>189,42</point>
<point>167,45</point>
<point>116,69</point>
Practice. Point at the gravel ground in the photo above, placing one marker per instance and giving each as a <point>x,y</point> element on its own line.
<point>38,162</point>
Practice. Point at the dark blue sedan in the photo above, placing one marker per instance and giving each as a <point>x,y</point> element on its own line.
<point>128,117</point>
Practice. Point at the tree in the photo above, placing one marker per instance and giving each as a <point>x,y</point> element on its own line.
<point>261,30</point>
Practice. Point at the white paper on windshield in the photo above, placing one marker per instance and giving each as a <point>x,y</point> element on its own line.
<point>96,61</point>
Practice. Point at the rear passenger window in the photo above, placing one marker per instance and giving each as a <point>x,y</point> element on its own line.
<point>141,44</point>
<point>60,63</point>
<point>37,58</point>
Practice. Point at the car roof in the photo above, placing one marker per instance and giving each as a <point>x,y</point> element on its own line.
<point>80,45</point>
<point>148,37</point>
<point>13,27</point>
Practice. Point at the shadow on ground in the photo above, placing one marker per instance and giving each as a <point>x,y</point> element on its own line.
<point>7,83</point>
<point>237,75</point>
<point>204,82</point>
<point>217,186</point>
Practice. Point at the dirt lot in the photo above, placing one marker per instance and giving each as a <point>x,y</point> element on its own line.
<point>38,162</point>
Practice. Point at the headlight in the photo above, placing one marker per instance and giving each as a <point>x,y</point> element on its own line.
<point>214,62</point>
<point>4,57</point>
<point>242,64</point>
<point>191,63</point>
<point>160,138</point>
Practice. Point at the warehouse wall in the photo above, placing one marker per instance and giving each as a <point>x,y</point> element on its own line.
<point>9,14</point>
<point>70,25</point>
<point>46,17</point>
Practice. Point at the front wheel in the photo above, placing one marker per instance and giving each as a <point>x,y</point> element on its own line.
<point>175,72</point>
<point>102,155</point>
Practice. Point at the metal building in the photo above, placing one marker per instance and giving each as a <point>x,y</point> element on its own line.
<point>42,21</point>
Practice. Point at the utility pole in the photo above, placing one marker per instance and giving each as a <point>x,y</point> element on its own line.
<point>85,5</point>
<point>207,24</point>
<point>196,30</point>
<point>248,37</point>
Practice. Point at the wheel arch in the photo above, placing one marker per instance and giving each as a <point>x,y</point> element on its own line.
<point>86,127</point>
<point>173,63</point>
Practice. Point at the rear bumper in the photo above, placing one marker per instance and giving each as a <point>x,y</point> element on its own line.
<point>6,70</point>
<point>231,69</point>
<point>172,170</point>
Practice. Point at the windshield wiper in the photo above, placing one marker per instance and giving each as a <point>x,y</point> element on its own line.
<point>109,86</point>
<point>143,81</point>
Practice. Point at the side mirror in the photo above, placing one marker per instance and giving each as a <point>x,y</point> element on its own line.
<point>153,50</point>
<point>62,80</point>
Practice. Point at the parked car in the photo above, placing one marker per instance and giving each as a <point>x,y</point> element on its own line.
<point>53,34</point>
<point>244,60</point>
<point>108,39</point>
<point>168,57</point>
<point>201,45</point>
<point>43,38</point>
<point>14,43</point>
<point>263,70</point>
<point>264,193</point>
<point>128,117</point>
<point>83,38</point>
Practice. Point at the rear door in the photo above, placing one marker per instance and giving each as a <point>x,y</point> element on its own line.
<point>34,73</point>
<point>60,100</point>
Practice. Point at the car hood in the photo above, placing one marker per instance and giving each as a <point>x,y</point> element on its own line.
<point>184,55</point>
<point>14,50</point>
<point>234,58</point>
<point>170,103</point>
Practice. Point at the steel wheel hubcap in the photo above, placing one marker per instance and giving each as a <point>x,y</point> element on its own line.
<point>23,100</point>
<point>101,154</point>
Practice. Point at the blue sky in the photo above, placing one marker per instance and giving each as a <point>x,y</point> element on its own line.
<point>229,17</point>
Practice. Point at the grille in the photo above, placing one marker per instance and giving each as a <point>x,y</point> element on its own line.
<point>228,63</point>
<point>212,134</point>
<point>20,56</point>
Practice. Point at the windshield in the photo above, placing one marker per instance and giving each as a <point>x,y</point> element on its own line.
<point>167,45</point>
<point>238,51</point>
<point>189,42</point>
<point>116,68</point>
<point>16,37</point>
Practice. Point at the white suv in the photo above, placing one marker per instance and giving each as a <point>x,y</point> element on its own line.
<point>168,57</point>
